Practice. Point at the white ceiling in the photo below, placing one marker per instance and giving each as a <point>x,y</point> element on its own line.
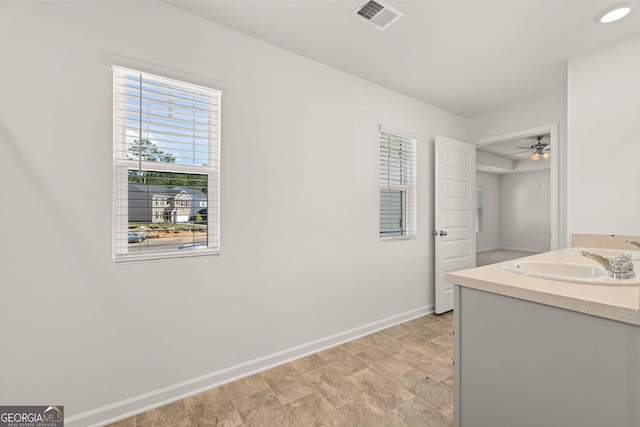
<point>512,155</point>
<point>515,149</point>
<point>466,57</point>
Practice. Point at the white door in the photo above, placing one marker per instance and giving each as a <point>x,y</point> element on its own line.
<point>455,214</point>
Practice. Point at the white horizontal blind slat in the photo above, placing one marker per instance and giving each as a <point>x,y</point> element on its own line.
<point>156,98</point>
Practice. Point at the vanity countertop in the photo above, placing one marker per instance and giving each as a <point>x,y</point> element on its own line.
<point>621,303</point>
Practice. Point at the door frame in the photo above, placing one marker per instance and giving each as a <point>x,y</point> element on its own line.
<point>552,130</point>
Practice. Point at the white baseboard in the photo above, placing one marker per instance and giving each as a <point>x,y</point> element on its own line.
<point>487,249</point>
<point>532,251</point>
<point>156,398</point>
<point>504,248</point>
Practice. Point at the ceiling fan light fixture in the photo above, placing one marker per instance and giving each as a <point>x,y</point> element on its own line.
<point>614,13</point>
<point>535,156</point>
<point>546,155</point>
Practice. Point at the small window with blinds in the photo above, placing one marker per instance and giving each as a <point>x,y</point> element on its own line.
<point>479,208</point>
<point>166,167</point>
<point>397,186</point>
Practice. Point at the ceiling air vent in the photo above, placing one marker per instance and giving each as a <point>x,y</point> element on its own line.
<point>378,14</point>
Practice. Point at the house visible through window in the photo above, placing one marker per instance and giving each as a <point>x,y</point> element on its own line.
<point>397,186</point>
<point>166,166</point>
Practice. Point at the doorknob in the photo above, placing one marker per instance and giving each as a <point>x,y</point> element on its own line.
<point>443,233</point>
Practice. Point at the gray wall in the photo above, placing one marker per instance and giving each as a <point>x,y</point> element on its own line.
<point>603,147</point>
<point>489,237</point>
<point>301,264</point>
<point>516,211</point>
<point>525,220</point>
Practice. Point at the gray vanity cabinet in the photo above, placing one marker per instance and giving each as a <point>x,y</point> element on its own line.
<point>523,364</point>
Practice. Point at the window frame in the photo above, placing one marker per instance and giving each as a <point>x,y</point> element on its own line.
<point>407,187</point>
<point>479,209</point>
<point>122,165</point>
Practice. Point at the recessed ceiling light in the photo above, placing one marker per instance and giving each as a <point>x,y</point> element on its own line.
<point>613,13</point>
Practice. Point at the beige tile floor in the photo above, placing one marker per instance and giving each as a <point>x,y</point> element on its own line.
<point>400,376</point>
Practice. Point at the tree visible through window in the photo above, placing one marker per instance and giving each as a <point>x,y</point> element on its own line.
<point>166,156</point>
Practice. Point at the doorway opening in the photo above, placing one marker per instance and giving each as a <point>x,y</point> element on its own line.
<point>517,194</point>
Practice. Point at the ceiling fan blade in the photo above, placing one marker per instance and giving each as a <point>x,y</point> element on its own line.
<point>515,154</point>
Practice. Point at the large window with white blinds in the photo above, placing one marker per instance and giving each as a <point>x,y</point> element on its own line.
<point>397,186</point>
<point>166,152</point>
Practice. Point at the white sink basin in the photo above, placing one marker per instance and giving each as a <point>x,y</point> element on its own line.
<point>567,272</point>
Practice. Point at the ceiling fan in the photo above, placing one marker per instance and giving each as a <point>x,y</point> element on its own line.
<point>538,150</point>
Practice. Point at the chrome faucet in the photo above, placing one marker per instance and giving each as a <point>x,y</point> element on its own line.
<point>620,267</point>
<point>633,243</point>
